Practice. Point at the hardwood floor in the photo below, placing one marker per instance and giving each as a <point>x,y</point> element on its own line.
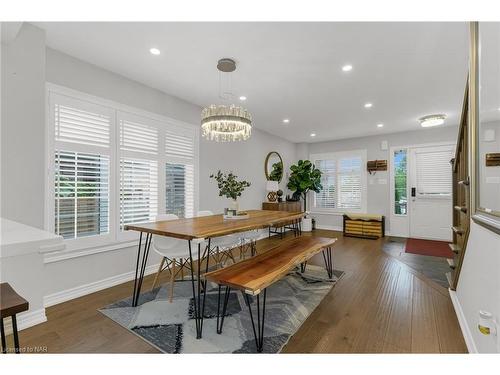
<point>380,306</point>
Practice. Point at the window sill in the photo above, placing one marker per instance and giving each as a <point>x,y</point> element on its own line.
<point>65,255</point>
<point>337,213</point>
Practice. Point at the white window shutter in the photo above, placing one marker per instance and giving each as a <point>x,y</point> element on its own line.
<point>179,145</point>
<point>327,197</point>
<point>434,172</point>
<point>80,126</point>
<point>138,191</point>
<point>138,137</point>
<point>81,194</point>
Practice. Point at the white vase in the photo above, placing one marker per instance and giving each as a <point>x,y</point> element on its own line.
<point>307,224</point>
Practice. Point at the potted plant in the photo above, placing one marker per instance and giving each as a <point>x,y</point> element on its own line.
<point>230,187</point>
<point>304,177</point>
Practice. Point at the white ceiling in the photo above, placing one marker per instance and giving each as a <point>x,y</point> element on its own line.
<point>291,70</point>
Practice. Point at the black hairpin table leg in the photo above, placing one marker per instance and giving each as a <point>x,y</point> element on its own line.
<point>303,267</point>
<point>2,332</point>
<point>199,289</point>
<point>259,332</point>
<point>140,267</point>
<point>327,257</point>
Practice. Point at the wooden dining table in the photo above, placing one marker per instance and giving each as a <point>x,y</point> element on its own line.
<point>198,231</point>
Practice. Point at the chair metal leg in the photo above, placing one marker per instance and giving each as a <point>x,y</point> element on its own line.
<point>2,332</point>
<point>327,257</point>
<point>259,332</point>
<point>15,333</point>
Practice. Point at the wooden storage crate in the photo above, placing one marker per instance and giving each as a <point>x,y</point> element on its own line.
<point>365,226</point>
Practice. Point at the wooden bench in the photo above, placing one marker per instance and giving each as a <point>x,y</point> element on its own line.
<point>11,304</point>
<point>364,226</point>
<point>252,276</point>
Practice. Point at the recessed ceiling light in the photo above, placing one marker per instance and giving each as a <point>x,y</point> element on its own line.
<point>154,51</point>
<point>286,121</point>
<point>243,98</point>
<point>347,68</point>
<point>368,105</point>
<point>380,125</point>
<point>432,120</point>
<point>313,134</point>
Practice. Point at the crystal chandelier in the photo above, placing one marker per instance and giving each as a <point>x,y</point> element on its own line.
<point>224,123</point>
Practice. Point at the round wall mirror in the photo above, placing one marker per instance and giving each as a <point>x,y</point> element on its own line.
<point>273,166</point>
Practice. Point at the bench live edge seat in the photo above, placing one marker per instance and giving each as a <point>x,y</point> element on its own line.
<point>254,275</point>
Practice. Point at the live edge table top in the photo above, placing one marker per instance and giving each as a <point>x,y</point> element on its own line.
<point>214,225</point>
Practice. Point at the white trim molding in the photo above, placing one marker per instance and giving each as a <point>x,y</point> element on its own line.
<point>83,290</point>
<point>26,320</point>
<point>469,340</point>
<point>64,255</point>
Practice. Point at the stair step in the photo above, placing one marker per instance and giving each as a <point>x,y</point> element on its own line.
<point>451,263</point>
<point>457,230</point>
<point>461,209</point>
<point>449,277</point>
<point>454,247</point>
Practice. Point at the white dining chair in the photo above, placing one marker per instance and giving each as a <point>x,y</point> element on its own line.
<point>249,241</point>
<point>221,247</point>
<point>174,253</point>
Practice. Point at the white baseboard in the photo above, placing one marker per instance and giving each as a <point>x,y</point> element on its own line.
<point>82,290</point>
<point>469,340</point>
<point>329,227</point>
<point>25,320</point>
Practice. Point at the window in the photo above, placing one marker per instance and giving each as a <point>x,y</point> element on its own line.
<point>400,182</point>
<point>433,172</point>
<point>344,181</point>
<point>179,172</point>
<point>139,158</point>
<point>112,165</point>
<point>81,154</point>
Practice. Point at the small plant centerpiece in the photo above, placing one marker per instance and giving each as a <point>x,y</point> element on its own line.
<point>230,187</point>
<point>304,177</point>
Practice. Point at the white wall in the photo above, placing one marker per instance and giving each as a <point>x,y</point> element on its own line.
<point>489,176</point>
<point>479,288</point>
<point>23,119</point>
<point>378,194</point>
<point>246,160</point>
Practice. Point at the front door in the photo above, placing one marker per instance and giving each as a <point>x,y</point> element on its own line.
<point>430,188</point>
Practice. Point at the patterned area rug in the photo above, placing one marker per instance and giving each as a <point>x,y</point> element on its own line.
<point>170,327</point>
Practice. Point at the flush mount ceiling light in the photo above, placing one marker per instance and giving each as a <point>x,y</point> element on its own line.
<point>368,105</point>
<point>225,123</point>
<point>380,125</point>
<point>243,98</point>
<point>286,121</point>
<point>154,51</point>
<point>432,120</point>
<point>313,134</point>
<point>347,68</point>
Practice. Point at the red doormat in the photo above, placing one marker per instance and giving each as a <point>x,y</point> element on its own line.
<point>428,247</point>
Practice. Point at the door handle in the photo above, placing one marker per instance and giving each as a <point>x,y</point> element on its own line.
<point>413,192</point>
